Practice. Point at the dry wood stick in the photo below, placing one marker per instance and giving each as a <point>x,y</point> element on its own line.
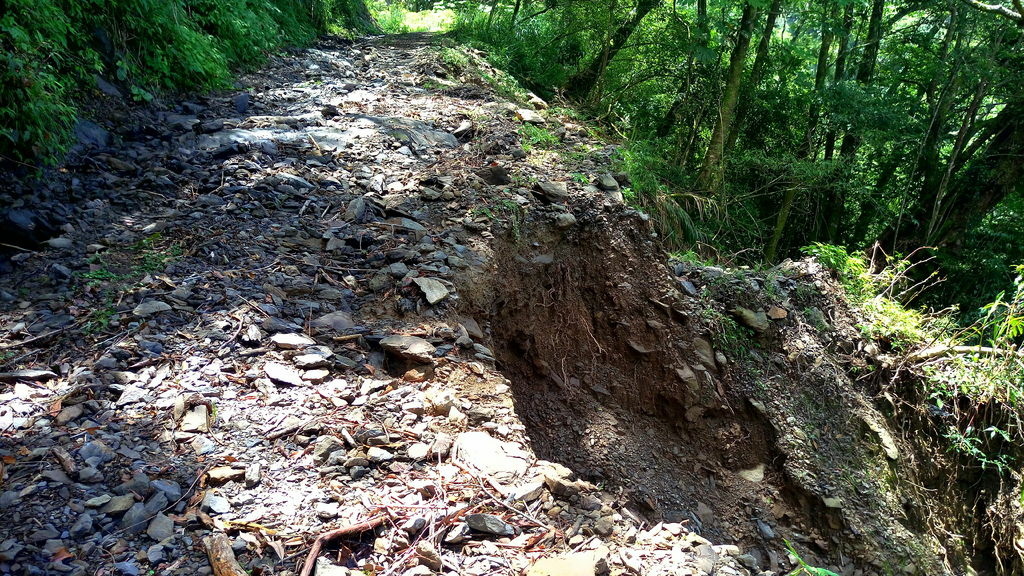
<point>318,544</point>
<point>222,558</point>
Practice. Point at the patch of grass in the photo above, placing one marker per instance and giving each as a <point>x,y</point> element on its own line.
<point>531,137</point>
<point>101,317</point>
<point>454,58</point>
<point>886,319</point>
<point>117,271</point>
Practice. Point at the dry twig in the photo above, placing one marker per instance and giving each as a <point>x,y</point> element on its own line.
<point>322,539</point>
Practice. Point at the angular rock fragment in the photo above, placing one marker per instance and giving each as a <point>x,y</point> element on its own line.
<point>409,347</point>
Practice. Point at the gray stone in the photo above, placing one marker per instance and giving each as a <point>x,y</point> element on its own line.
<point>170,489</point>
<point>552,191</point>
<point>291,341</point>
<point>308,361</point>
<point>90,134</point>
<point>151,307</point>
<point>160,528</point>
<point>155,554</point>
<point>96,451</point>
<point>90,475</point>
<point>427,555</point>
<point>337,321</point>
<point>241,102</point>
<point>418,450</point>
<point>98,501</point>
<point>757,321</point>
<point>378,455</point>
<point>156,504</point>
<point>128,568</point>
<point>253,474</point>
<point>527,116</point>
<point>433,289</point>
<point>490,524</point>
<point>565,221</point>
<point>82,525</point>
<point>118,504</point>
<point>197,419</point>
<point>9,550</point>
<point>397,269</point>
<point>283,374</point>
<point>410,347</point>
<point>135,519</point>
<point>764,529</point>
<point>327,510</point>
<point>215,504</point>
<point>607,182</point>
<point>138,484</point>
<point>60,242</point>
<point>274,324</point>
<point>501,460</point>
<point>324,447</point>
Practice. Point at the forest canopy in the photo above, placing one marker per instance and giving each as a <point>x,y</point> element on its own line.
<point>760,127</point>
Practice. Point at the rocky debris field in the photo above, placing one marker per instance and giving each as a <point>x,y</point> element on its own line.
<point>341,320</point>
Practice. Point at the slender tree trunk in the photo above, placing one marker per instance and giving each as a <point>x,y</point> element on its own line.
<point>515,13</point>
<point>712,172</point>
<point>810,148</point>
<point>780,223</point>
<point>492,14</point>
<point>866,69</point>
<point>756,73</point>
<point>835,208</point>
<point>997,172</point>
<point>583,82</point>
<point>840,72</point>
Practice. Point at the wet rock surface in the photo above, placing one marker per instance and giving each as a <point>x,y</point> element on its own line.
<point>278,311</point>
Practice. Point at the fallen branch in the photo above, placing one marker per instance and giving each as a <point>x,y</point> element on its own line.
<point>222,558</point>
<point>937,351</point>
<point>318,544</point>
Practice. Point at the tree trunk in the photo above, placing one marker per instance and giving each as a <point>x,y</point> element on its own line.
<point>712,172</point>
<point>866,70</point>
<point>810,148</point>
<point>515,13</point>
<point>984,183</point>
<point>756,73</point>
<point>840,73</point>
<point>583,82</point>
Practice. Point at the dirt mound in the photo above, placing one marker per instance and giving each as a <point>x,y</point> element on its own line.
<point>718,399</point>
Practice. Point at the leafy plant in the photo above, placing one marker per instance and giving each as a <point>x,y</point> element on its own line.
<point>536,137</point>
<point>803,568</point>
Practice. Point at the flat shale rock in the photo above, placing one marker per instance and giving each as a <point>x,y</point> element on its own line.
<point>283,374</point>
<point>409,347</point>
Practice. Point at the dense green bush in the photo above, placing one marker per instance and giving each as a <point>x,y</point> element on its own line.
<point>50,51</point>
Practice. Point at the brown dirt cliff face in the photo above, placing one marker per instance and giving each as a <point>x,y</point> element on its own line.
<point>672,401</point>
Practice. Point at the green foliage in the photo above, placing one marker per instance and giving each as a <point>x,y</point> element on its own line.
<point>533,51</point>
<point>50,51</point>
<point>678,212</point>
<point>982,390</point>
<point>395,17</point>
<point>886,319</point>
<point>851,270</point>
<point>802,567</point>
<point>531,137</point>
